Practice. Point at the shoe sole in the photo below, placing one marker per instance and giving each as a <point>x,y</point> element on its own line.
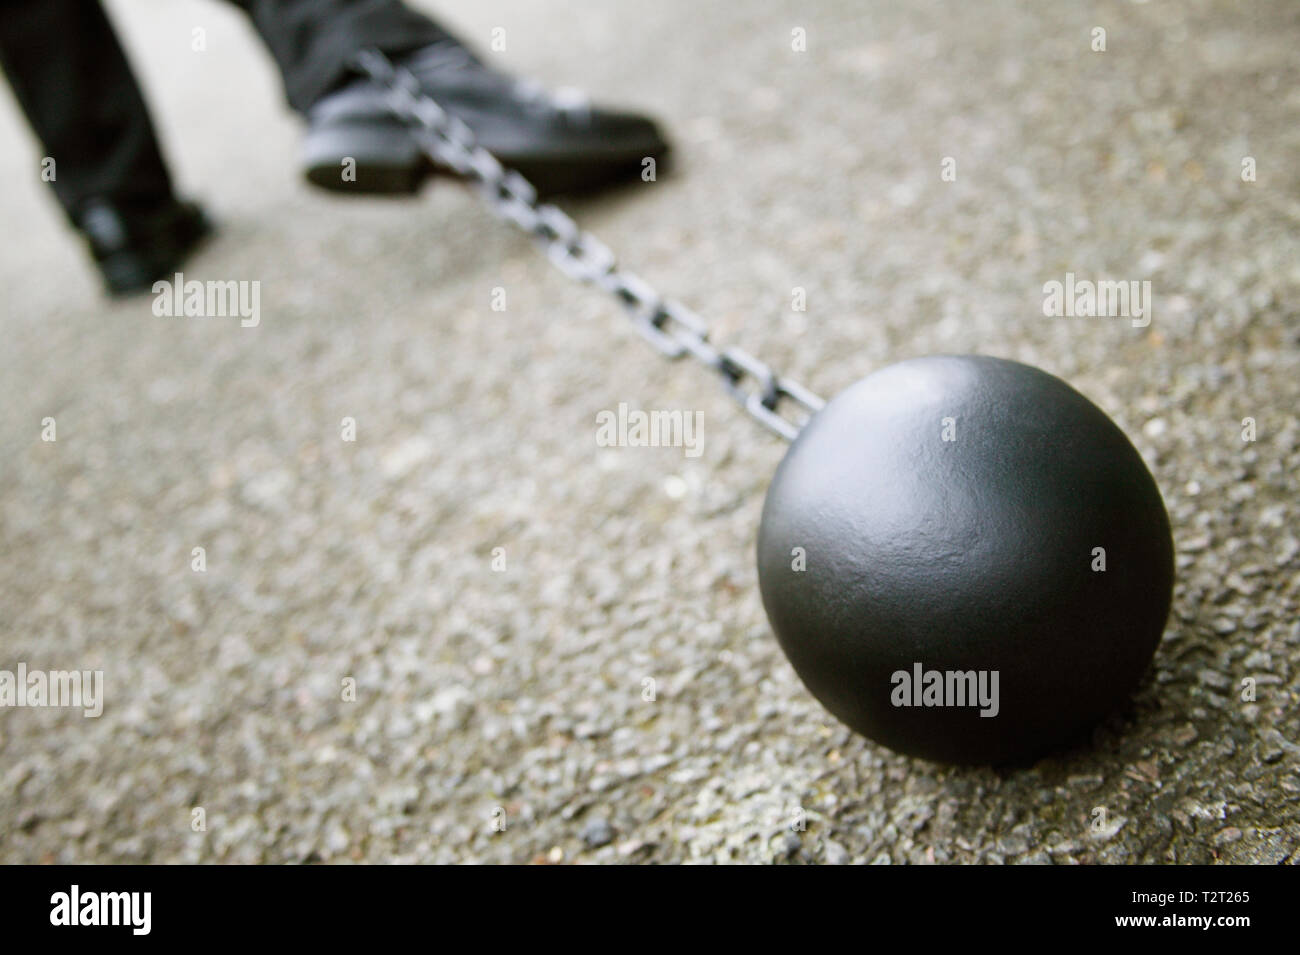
<point>386,161</point>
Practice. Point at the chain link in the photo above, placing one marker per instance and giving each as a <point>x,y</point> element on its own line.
<point>672,328</point>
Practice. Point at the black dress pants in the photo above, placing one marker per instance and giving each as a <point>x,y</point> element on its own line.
<point>72,79</point>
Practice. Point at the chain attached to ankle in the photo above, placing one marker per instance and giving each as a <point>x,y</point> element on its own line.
<point>672,328</point>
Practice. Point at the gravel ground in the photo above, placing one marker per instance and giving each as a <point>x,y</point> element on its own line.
<point>515,696</point>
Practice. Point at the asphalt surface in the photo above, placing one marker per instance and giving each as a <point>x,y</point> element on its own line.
<point>500,714</point>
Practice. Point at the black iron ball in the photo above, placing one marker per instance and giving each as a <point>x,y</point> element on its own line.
<point>966,560</point>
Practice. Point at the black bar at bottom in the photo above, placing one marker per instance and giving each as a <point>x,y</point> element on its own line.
<point>331,905</point>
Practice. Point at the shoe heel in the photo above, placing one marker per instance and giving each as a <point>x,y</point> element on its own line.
<point>386,160</point>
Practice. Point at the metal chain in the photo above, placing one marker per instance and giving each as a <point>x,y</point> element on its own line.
<point>672,328</point>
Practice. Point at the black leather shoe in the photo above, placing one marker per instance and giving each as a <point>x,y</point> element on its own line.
<point>559,142</point>
<point>135,247</point>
